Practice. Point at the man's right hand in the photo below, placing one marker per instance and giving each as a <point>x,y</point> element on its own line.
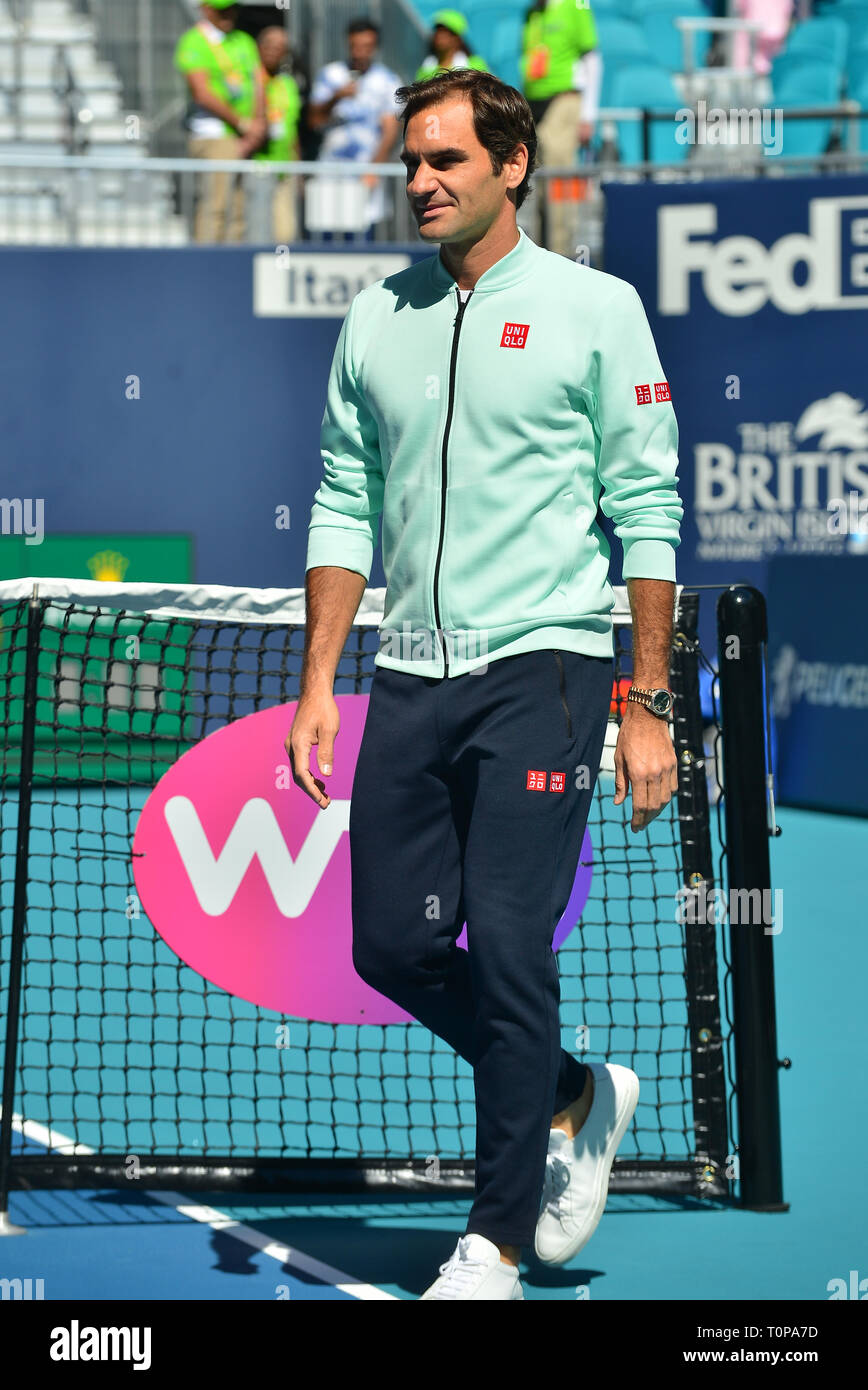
<point>317,721</point>
<point>349,90</point>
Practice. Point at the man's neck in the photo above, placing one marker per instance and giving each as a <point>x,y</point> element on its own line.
<point>467,262</point>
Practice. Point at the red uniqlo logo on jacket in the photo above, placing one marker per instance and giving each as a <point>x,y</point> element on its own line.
<point>558,781</point>
<point>536,781</point>
<point>643,395</point>
<point>514,334</point>
<point>661,391</point>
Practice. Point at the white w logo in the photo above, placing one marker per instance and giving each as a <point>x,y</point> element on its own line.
<point>255,835</point>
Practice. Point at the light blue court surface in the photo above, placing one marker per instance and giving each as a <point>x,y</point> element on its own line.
<point>214,1246</point>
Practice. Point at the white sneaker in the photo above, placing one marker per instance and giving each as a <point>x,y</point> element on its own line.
<point>476,1270</point>
<point>577,1170</point>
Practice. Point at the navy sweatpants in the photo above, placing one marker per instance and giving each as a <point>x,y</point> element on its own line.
<point>469,803</point>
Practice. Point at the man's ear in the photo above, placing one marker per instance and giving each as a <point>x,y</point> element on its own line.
<point>517,170</point>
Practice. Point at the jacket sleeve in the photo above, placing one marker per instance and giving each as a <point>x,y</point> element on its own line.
<point>637,440</point>
<point>345,515</point>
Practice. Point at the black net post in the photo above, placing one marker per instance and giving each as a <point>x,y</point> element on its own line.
<point>19,903</point>
<point>708,1076</point>
<point>742,634</point>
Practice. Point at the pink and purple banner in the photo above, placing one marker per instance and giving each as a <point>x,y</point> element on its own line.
<point>248,881</point>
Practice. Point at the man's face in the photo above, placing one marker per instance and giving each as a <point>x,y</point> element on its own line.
<point>451,188</point>
<point>273,48</point>
<point>445,42</point>
<point>222,19</point>
<point>362,48</point>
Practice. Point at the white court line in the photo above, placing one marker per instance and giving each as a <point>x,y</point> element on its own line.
<point>218,1221</point>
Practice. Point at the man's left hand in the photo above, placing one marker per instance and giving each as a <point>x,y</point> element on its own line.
<point>645,764</point>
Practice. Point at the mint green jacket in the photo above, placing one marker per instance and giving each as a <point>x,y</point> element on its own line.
<point>485,435</point>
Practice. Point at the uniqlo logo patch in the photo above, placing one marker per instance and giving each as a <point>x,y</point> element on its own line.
<point>536,781</point>
<point>557,782</point>
<point>515,334</point>
<point>643,395</point>
<point>661,391</point>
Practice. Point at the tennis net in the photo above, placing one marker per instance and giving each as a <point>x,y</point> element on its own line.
<point>118,1052</point>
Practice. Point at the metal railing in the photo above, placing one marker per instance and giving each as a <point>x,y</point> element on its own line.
<point>845,117</point>
<point>109,201</point>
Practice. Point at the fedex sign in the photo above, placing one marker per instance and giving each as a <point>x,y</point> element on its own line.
<point>248,881</point>
<point>823,268</point>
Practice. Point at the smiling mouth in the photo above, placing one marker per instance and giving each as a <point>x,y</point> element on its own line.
<point>434,207</point>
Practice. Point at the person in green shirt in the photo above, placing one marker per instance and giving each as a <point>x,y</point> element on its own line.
<point>450,47</point>
<point>227,114</point>
<point>283,113</point>
<point>560,78</point>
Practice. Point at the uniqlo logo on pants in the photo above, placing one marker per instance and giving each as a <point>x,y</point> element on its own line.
<point>536,781</point>
<point>558,782</point>
<point>515,335</point>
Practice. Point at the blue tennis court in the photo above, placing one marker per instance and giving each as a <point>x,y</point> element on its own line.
<point>91,1244</point>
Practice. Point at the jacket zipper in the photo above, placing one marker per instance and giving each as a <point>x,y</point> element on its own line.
<point>456,324</point>
<point>559,659</point>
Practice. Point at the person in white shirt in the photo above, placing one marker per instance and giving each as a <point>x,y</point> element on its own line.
<point>353,103</point>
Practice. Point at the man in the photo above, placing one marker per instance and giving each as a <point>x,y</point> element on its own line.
<point>480,400</point>
<point>354,104</point>
<point>449,46</point>
<point>561,75</point>
<point>227,120</point>
<point>283,111</point>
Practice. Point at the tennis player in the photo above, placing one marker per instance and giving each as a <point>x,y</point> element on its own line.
<point>483,402</point>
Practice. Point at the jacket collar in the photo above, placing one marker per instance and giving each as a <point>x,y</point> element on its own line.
<point>510,270</point>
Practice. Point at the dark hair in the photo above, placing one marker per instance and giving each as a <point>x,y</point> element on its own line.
<point>502,117</point>
<point>362,25</point>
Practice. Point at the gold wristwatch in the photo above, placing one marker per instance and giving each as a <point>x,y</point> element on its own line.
<point>657,701</point>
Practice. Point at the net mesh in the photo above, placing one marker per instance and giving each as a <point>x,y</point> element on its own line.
<point>127,1050</point>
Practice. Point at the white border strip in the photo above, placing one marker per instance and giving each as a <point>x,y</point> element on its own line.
<point>278,606</point>
<point>219,1221</point>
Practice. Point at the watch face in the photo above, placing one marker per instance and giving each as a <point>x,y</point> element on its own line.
<point>661,702</point>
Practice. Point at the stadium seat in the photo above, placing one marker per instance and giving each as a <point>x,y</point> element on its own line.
<point>853,13</point>
<point>806,84</point>
<point>651,89</point>
<point>622,40</point>
<point>616,8</point>
<point>665,38</point>
<point>498,40</point>
<point>788,68</point>
<point>825,39</point>
<point>809,82</point>
<point>638,9</point>
<point>857,69</point>
<point>860,93</point>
